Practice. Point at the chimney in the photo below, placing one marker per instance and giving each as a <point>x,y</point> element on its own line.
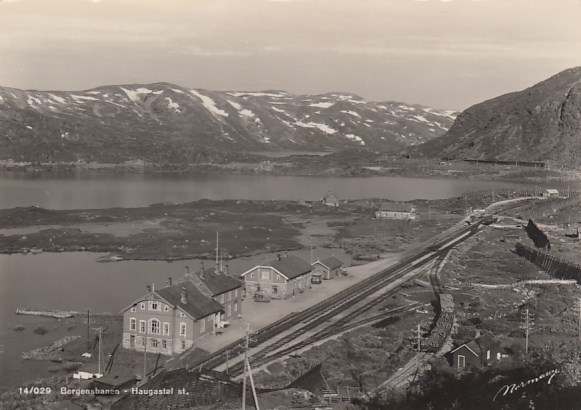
<point>285,255</point>
<point>226,269</point>
<point>169,281</point>
<point>278,256</point>
<point>184,297</point>
<point>187,270</point>
<point>148,288</point>
<point>202,269</point>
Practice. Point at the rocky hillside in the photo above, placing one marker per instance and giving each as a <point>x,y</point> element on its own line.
<point>540,123</point>
<point>165,123</point>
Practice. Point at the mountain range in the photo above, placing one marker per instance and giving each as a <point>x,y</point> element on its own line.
<point>166,123</point>
<point>540,123</point>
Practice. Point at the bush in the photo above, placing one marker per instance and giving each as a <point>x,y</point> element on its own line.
<point>40,331</point>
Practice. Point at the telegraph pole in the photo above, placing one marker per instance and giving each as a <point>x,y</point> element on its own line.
<point>579,327</point>
<point>528,319</point>
<point>245,361</point>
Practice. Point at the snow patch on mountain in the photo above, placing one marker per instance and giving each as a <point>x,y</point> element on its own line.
<point>355,138</point>
<point>58,99</point>
<point>353,113</point>
<point>322,104</point>
<point>177,91</point>
<point>173,105</point>
<point>134,94</point>
<point>235,105</point>
<point>253,94</point>
<point>322,127</point>
<point>82,98</point>
<point>209,104</point>
<point>33,101</point>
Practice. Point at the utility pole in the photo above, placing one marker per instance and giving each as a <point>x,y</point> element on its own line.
<point>145,355</point>
<point>419,338</point>
<point>217,248</point>
<point>312,247</point>
<point>100,350</point>
<point>88,329</point>
<point>245,360</point>
<point>579,327</point>
<point>528,323</point>
<point>247,364</point>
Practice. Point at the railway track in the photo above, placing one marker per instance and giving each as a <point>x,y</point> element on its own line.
<point>321,312</point>
<point>266,355</point>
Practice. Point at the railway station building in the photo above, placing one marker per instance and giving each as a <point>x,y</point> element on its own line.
<point>169,320</point>
<point>280,278</point>
<point>328,268</point>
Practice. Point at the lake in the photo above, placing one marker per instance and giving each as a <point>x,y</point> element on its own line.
<point>74,191</point>
<point>76,281</point>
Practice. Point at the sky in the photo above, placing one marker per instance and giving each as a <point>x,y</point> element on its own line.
<point>446,54</point>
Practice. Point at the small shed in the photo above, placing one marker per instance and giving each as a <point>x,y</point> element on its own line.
<point>330,199</point>
<point>328,268</point>
<point>466,355</point>
<point>396,210</point>
<point>477,353</point>
<point>551,193</point>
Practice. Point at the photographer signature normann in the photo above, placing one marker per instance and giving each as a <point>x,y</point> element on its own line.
<point>511,388</point>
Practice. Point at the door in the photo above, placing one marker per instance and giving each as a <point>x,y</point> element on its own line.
<point>132,341</point>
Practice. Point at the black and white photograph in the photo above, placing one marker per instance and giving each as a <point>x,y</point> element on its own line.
<point>290,204</point>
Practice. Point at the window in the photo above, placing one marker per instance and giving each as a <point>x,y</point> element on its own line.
<point>154,343</point>
<point>142,326</point>
<point>235,293</point>
<point>258,287</point>
<point>132,324</point>
<point>229,310</point>
<point>264,275</point>
<point>165,328</point>
<point>142,341</point>
<point>275,289</point>
<point>183,344</point>
<point>154,326</point>
<point>164,344</point>
<point>488,355</point>
<point>154,305</point>
<point>134,309</point>
<point>182,314</point>
<point>165,308</point>
<point>229,296</point>
<point>182,329</point>
<point>236,307</point>
<point>142,306</point>
<point>461,361</point>
<point>202,325</point>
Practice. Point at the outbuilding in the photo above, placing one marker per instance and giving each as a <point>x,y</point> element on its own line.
<point>551,193</point>
<point>328,268</point>
<point>396,210</point>
<point>477,353</point>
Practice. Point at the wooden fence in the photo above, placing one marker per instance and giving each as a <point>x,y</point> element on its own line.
<point>554,266</point>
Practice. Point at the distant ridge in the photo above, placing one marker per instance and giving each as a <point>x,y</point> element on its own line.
<point>166,123</point>
<point>540,123</point>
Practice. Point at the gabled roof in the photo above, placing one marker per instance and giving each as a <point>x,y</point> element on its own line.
<point>290,266</point>
<point>488,341</point>
<point>471,345</point>
<point>198,305</point>
<point>551,191</point>
<point>396,207</point>
<point>330,263</point>
<point>217,281</point>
